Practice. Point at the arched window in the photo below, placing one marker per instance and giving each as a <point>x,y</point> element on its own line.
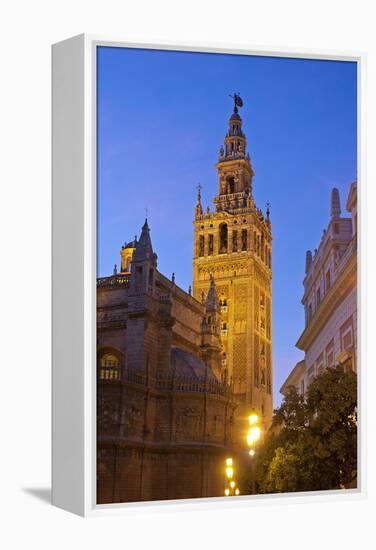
<point>201,246</point>
<point>230,185</point>
<point>244,239</point>
<point>109,367</point>
<point>211,245</point>
<point>223,238</point>
<point>234,241</point>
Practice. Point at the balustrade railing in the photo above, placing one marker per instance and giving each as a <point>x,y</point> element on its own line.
<point>109,373</point>
<point>166,382</point>
<point>113,281</point>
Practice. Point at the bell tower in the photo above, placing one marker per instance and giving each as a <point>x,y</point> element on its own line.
<point>233,247</point>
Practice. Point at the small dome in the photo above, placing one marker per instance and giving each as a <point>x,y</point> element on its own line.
<point>131,244</point>
<point>187,365</point>
<point>235,116</point>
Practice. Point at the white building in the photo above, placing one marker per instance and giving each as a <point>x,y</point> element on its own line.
<point>330,298</point>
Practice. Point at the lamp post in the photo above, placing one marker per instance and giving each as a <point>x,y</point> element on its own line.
<point>231,488</point>
<point>253,436</point>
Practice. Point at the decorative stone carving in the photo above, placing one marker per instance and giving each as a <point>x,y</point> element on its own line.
<point>188,423</point>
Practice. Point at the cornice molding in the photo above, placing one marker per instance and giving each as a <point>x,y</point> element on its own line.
<point>342,286</point>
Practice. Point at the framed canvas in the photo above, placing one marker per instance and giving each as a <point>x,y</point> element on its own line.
<point>207,301</point>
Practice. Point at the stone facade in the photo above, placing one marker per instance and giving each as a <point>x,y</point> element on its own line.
<point>233,244</point>
<point>330,296</point>
<point>164,417</point>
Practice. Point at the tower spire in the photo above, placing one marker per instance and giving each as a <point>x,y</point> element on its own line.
<point>144,248</point>
<point>235,140</point>
<point>234,167</point>
<point>198,210</point>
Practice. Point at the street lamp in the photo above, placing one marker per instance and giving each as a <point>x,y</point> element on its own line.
<point>230,488</point>
<point>229,468</point>
<point>253,436</point>
<point>254,432</point>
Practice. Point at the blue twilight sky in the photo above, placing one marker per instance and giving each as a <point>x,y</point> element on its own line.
<point>162,117</point>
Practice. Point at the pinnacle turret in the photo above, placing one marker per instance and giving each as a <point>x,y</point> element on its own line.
<point>198,209</point>
<point>144,248</point>
<point>335,204</point>
<point>212,304</point>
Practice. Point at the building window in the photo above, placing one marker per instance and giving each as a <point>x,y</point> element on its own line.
<point>346,335</point>
<point>257,363</point>
<point>320,364</point>
<point>223,305</point>
<point>347,340</point>
<point>329,352</point>
<point>223,238</point>
<point>231,183</point>
<point>336,228</point>
<point>201,247</point>
<point>327,280</point>
<point>109,367</point>
<point>268,379</point>
<point>211,245</point>
<point>318,297</point>
<point>244,239</point>
<point>234,241</point>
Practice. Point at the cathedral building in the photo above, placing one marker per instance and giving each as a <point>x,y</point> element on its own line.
<point>179,374</point>
<point>233,244</point>
<point>164,417</point>
<point>330,298</point>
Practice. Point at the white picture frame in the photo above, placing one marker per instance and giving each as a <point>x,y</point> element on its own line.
<point>74,275</point>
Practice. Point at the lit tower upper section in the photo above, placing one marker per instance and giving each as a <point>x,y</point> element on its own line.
<point>234,167</point>
<point>233,247</point>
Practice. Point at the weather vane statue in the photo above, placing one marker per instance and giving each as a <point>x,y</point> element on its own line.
<point>238,102</point>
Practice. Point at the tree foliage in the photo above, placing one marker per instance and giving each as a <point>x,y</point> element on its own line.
<point>312,444</point>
